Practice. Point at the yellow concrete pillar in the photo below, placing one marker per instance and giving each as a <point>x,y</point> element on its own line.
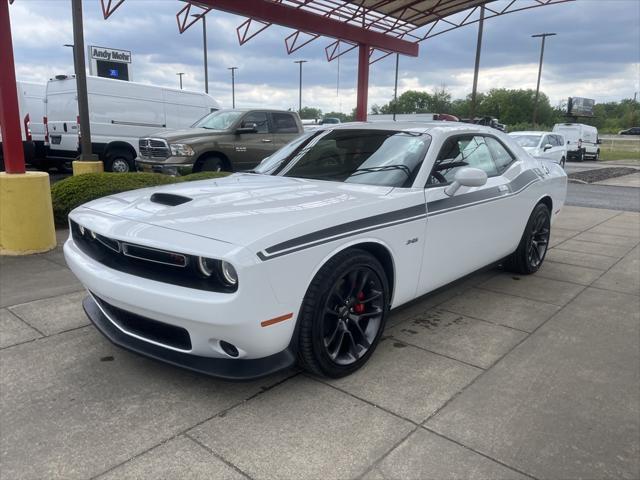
<point>26,214</point>
<point>82,166</point>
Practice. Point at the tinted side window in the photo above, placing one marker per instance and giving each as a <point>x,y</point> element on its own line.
<point>284,123</point>
<point>458,152</point>
<point>259,118</point>
<point>501,156</point>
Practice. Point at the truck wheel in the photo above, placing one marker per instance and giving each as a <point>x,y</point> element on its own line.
<point>562,162</point>
<point>119,161</point>
<point>597,156</point>
<point>210,164</point>
<point>581,156</point>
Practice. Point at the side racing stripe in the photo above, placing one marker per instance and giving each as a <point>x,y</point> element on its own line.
<point>410,214</point>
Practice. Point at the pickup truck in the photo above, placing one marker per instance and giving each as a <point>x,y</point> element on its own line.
<point>229,140</point>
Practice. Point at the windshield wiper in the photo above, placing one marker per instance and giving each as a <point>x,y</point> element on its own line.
<point>383,168</point>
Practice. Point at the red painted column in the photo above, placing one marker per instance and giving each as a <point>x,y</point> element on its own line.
<point>363,82</point>
<point>9,113</point>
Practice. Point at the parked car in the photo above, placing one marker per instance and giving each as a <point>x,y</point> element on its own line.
<point>582,140</point>
<point>242,276</point>
<point>31,110</point>
<point>228,140</point>
<point>630,131</point>
<point>119,114</point>
<point>547,145</point>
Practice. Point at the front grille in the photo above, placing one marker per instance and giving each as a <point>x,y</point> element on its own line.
<point>154,330</point>
<point>153,148</point>
<point>159,265</point>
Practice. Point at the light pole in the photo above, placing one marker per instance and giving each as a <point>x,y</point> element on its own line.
<point>70,45</point>
<point>535,103</point>
<point>180,74</point>
<point>81,82</point>
<point>233,86</point>
<point>395,89</point>
<point>300,62</point>
<point>476,69</point>
<point>204,48</point>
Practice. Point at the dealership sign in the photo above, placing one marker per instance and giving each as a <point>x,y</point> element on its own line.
<point>110,54</point>
<point>109,62</point>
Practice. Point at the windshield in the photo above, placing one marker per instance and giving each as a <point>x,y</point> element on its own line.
<point>219,120</point>
<point>527,140</point>
<point>371,157</point>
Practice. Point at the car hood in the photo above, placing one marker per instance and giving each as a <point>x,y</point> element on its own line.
<point>530,149</point>
<point>173,136</point>
<point>243,208</point>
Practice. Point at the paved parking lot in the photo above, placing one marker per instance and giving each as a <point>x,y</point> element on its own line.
<point>497,376</point>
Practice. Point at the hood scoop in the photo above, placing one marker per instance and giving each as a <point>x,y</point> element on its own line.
<point>169,199</point>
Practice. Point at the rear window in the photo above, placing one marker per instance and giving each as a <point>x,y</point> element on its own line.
<point>527,140</point>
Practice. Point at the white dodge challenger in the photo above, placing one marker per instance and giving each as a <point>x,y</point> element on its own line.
<point>302,259</point>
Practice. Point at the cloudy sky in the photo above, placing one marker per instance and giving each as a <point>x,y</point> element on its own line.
<point>596,53</point>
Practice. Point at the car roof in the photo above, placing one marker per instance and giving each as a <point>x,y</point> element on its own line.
<point>534,132</point>
<point>422,127</point>
<point>274,110</point>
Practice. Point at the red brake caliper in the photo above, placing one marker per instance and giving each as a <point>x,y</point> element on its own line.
<point>359,307</point>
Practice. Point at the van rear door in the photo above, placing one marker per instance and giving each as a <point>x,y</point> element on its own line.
<point>62,117</point>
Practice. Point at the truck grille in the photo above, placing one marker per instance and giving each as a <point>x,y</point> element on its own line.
<point>153,148</point>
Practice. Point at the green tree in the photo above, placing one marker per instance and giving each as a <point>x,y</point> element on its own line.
<point>310,113</point>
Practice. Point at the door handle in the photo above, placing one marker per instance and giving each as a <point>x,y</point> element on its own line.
<point>266,140</point>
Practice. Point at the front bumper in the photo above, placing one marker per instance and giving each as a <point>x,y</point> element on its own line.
<point>169,165</point>
<point>227,369</point>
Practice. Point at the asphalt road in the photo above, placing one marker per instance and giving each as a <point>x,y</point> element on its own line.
<point>604,196</point>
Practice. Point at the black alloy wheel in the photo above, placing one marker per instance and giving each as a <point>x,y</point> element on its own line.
<point>352,315</point>
<point>534,243</point>
<point>538,239</point>
<point>343,314</point>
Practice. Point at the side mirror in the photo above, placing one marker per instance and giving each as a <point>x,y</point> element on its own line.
<point>568,142</point>
<point>466,177</point>
<point>547,147</point>
<point>247,128</point>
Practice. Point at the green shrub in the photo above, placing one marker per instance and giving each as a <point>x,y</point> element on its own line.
<point>74,191</point>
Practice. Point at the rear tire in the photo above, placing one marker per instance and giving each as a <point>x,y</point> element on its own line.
<point>533,246</point>
<point>581,156</point>
<point>343,314</point>
<point>119,161</point>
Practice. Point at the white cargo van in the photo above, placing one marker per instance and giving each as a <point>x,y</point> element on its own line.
<point>31,108</point>
<point>582,140</point>
<point>119,114</point>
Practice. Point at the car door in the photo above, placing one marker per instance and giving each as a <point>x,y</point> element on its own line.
<point>250,148</point>
<point>475,226</point>
<point>284,127</point>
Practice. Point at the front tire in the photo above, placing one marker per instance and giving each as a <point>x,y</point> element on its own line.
<point>343,314</point>
<point>211,164</point>
<point>532,249</point>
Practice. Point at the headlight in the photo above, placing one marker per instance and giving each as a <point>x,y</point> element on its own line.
<point>181,150</point>
<point>206,266</point>
<point>224,271</point>
<point>229,273</point>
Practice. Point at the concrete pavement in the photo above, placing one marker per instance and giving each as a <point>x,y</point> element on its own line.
<point>497,376</point>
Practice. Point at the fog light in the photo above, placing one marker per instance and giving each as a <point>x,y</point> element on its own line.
<point>229,349</point>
